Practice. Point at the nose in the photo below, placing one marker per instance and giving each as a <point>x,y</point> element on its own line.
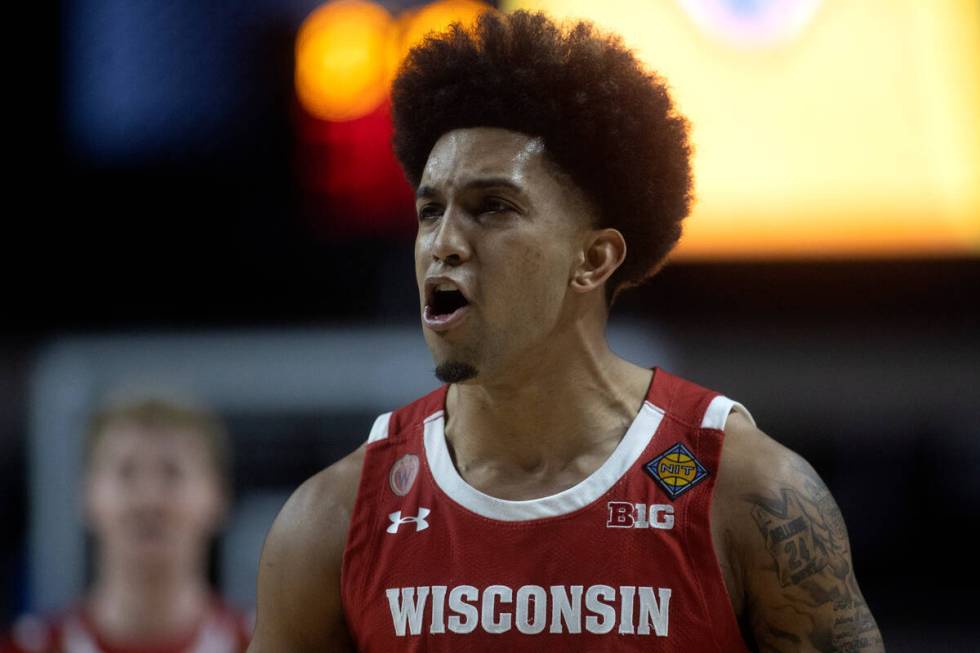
<point>149,489</point>
<point>450,244</point>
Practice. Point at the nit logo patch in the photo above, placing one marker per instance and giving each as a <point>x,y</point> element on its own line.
<point>676,470</point>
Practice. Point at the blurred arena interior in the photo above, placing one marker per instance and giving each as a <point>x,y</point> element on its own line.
<point>195,225</point>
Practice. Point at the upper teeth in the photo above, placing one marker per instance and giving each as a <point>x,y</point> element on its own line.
<point>445,286</point>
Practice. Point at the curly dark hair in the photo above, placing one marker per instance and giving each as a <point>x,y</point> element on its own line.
<point>605,121</point>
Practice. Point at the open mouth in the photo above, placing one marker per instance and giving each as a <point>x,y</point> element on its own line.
<point>445,305</point>
<point>446,302</point>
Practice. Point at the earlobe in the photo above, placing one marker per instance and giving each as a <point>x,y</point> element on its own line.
<point>600,258</point>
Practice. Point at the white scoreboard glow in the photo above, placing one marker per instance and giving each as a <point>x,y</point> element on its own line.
<point>822,129</point>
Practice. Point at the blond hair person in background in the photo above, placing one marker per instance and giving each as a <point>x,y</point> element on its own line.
<point>156,491</point>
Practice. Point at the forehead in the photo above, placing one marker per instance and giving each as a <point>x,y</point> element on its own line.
<point>465,155</point>
<point>125,440</point>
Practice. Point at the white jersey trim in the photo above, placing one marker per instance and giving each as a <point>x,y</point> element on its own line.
<point>627,452</point>
<point>718,411</point>
<point>380,429</point>
<point>214,637</point>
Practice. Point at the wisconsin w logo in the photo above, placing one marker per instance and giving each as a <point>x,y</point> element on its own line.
<point>419,520</point>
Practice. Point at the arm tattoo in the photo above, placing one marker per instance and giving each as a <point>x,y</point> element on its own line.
<point>805,535</point>
<point>798,537</point>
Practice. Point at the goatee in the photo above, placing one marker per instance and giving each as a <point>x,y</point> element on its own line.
<point>455,372</point>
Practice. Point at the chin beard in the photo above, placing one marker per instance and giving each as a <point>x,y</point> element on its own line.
<point>455,372</point>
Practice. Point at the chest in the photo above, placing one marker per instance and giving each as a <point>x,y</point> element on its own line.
<point>630,567</point>
<point>623,560</point>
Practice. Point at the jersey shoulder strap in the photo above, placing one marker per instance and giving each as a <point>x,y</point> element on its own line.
<point>695,420</point>
<point>392,464</point>
<point>690,404</point>
<point>395,426</point>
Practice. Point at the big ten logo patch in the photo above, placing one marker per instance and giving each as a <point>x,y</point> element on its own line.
<point>623,514</point>
<point>676,470</point>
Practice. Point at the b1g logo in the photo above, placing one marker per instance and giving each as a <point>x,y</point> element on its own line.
<point>623,514</point>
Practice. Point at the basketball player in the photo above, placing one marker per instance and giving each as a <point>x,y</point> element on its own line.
<point>552,496</point>
<point>155,493</point>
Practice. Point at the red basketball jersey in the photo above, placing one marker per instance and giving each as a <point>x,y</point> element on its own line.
<point>622,561</point>
<point>221,629</point>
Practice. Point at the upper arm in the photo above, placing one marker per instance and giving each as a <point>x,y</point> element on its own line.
<point>299,602</point>
<point>800,592</point>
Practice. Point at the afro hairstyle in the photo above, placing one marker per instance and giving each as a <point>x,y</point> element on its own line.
<point>606,122</point>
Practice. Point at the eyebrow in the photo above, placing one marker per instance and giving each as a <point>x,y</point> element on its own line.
<point>486,182</point>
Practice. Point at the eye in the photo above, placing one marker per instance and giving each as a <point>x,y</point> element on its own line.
<point>495,205</point>
<point>126,471</point>
<point>430,211</point>
<point>172,471</point>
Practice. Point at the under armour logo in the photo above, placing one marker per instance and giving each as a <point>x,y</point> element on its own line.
<point>419,520</point>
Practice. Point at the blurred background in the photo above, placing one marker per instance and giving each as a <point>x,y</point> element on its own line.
<point>212,207</point>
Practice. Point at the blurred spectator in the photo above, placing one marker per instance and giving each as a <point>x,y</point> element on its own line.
<point>156,490</point>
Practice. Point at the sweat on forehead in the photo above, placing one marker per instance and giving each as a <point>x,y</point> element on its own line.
<point>488,152</point>
<point>488,158</point>
<point>495,148</point>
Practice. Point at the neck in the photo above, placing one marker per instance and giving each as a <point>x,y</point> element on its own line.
<point>576,398</point>
<point>144,603</point>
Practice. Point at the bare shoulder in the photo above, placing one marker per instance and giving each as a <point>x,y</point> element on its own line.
<point>787,540</point>
<point>324,501</point>
<point>299,602</point>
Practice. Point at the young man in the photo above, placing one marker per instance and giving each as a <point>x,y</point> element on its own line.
<point>155,493</point>
<point>552,497</point>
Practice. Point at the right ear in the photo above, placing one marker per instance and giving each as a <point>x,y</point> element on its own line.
<point>602,254</point>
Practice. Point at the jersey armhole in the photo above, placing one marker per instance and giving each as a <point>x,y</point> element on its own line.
<point>379,430</point>
<point>714,596</point>
<point>716,415</point>
<point>378,433</point>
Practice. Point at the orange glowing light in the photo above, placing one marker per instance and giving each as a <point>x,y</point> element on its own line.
<point>433,18</point>
<point>342,55</point>
<point>347,51</point>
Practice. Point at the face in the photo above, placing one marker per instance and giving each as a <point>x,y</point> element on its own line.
<point>501,231</point>
<point>152,495</point>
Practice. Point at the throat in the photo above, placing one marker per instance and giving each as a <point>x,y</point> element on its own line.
<point>128,614</point>
<point>527,442</point>
<point>524,483</point>
<point>507,470</point>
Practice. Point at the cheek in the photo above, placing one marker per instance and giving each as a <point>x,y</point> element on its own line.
<point>537,279</point>
<point>420,266</point>
<point>105,502</point>
<point>531,262</point>
<point>201,505</point>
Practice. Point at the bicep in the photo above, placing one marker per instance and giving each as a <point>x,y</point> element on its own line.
<point>801,592</point>
<point>299,606</point>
